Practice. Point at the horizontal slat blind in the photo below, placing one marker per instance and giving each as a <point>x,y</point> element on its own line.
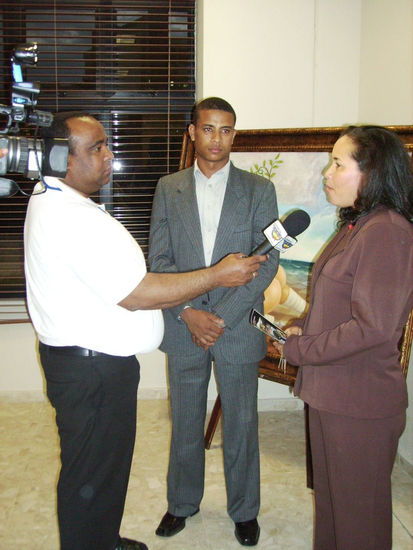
<point>128,62</point>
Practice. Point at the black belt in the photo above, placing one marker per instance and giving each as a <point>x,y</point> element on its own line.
<point>70,350</point>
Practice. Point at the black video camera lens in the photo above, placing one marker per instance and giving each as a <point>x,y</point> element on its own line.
<point>26,156</point>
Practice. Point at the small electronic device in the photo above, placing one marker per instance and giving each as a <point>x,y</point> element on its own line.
<point>262,323</point>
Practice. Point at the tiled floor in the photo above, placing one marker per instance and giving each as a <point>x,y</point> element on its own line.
<point>29,466</point>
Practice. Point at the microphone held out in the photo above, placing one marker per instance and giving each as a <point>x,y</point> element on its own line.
<point>281,235</point>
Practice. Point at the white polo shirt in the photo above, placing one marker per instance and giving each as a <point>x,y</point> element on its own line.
<point>80,262</point>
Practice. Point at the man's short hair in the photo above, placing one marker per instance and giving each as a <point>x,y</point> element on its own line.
<point>211,103</point>
<point>59,127</point>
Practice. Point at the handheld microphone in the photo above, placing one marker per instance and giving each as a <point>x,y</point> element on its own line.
<point>281,236</point>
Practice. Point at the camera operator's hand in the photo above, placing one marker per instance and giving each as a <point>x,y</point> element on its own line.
<point>3,153</point>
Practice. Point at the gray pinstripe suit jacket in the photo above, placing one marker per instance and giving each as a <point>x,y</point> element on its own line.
<point>176,245</point>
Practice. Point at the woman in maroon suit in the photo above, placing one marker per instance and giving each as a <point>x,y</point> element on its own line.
<point>347,345</point>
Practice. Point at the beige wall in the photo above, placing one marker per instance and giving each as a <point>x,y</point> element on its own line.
<point>21,376</point>
<point>386,83</point>
<point>281,63</point>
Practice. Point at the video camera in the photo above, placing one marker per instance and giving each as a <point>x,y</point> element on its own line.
<point>32,157</point>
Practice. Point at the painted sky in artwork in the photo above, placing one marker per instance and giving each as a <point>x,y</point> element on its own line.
<point>298,182</point>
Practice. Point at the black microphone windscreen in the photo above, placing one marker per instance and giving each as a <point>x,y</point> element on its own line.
<point>296,222</point>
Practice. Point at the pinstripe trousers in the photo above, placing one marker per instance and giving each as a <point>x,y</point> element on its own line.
<point>238,385</point>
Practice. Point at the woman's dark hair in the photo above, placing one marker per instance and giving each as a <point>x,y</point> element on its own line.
<point>387,177</point>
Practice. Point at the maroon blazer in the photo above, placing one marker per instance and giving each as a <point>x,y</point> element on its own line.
<point>361,296</point>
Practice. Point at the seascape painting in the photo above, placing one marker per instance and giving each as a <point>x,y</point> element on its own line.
<point>298,180</point>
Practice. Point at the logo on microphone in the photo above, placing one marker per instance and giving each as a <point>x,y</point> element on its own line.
<point>275,232</point>
<point>286,243</point>
<point>281,236</point>
<point>278,236</point>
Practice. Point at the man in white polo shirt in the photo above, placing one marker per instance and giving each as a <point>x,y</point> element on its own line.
<point>94,307</point>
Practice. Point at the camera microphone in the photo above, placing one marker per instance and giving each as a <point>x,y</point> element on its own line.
<point>32,157</point>
<point>281,235</point>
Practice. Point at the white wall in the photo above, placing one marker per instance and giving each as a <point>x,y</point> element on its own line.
<point>386,61</point>
<point>21,376</point>
<point>281,63</point>
<point>260,59</point>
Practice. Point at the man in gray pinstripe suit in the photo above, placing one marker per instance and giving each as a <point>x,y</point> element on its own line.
<point>200,215</point>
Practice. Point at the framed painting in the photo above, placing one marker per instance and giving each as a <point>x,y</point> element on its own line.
<point>294,159</point>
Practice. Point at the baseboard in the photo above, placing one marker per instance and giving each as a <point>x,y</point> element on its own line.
<point>153,393</point>
<point>22,396</point>
<point>274,404</point>
<point>280,404</point>
<point>405,464</point>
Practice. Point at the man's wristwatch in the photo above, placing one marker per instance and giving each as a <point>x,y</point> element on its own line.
<point>183,309</point>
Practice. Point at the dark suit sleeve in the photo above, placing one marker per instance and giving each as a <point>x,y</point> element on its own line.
<point>237,302</point>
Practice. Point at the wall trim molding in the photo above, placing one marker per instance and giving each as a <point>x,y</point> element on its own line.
<point>273,404</point>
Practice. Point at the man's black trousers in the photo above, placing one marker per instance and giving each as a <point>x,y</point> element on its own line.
<point>95,403</point>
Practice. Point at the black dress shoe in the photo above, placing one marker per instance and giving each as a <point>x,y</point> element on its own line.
<point>247,532</point>
<point>171,525</point>
<point>129,544</point>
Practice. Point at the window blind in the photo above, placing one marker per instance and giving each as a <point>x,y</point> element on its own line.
<point>130,63</point>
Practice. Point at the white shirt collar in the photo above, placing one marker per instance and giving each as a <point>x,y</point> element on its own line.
<point>221,173</point>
